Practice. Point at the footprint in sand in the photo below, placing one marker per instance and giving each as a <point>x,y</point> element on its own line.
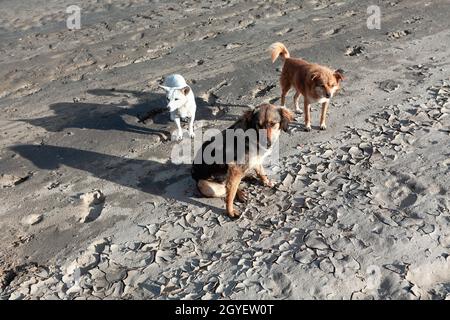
<point>278,285</point>
<point>401,190</point>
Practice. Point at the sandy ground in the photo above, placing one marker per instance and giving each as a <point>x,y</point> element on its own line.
<point>91,206</point>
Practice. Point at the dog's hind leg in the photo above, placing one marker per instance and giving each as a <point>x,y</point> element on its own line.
<point>212,189</point>
<point>285,87</point>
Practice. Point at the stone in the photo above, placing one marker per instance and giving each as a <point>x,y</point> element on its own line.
<point>315,240</point>
<point>305,256</point>
<point>32,219</point>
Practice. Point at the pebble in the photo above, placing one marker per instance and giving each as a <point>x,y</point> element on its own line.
<point>315,240</point>
<point>32,219</point>
<point>326,266</point>
<point>115,274</point>
<point>305,256</point>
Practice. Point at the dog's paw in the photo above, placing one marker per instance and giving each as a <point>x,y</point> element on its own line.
<point>242,196</point>
<point>269,183</point>
<point>323,127</point>
<point>308,128</point>
<point>233,214</point>
<point>177,137</point>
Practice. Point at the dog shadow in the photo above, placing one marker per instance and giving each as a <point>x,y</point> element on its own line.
<point>168,180</point>
<point>152,106</point>
<point>113,116</point>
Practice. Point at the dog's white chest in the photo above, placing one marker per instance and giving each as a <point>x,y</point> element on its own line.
<point>184,112</point>
<point>257,159</point>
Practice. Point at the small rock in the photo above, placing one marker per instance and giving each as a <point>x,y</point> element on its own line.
<point>354,152</point>
<point>389,85</point>
<point>327,153</point>
<point>87,261</point>
<point>116,274</point>
<point>398,34</point>
<point>16,296</point>
<point>232,45</point>
<point>99,245</point>
<point>326,266</point>
<point>361,296</point>
<point>354,51</point>
<point>93,198</point>
<point>92,205</point>
<point>315,240</point>
<point>305,256</point>
<point>7,180</point>
<point>32,219</point>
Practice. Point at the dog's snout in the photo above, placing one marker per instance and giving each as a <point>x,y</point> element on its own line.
<point>269,137</point>
<point>328,95</point>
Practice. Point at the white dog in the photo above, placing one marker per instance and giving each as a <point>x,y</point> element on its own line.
<point>180,102</point>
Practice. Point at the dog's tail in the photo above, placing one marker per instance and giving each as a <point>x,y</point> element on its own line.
<point>278,49</point>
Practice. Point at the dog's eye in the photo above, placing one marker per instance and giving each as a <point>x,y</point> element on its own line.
<point>176,99</point>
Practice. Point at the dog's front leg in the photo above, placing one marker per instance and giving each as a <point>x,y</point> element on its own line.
<point>234,178</point>
<point>179,135</point>
<point>261,173</point>
<point>191,127</point>
<point>296,98</point>
<point>323,116</point>
<point>307,114</point>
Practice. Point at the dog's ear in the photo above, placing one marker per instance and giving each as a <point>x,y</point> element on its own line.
<point>339,75</point>
<point>186,90</point>
<point>164,88</point>
<point>286,117</point>
<point>314,76</point>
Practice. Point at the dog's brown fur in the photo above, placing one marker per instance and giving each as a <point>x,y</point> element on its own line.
<point>315,82</point>
<point>222,180</point>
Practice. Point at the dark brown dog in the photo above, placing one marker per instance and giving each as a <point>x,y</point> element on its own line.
<point>221,178</point>
<point>315,82</point>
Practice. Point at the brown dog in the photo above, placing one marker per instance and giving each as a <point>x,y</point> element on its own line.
<point>221,177</point>
<point>315,82</point>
